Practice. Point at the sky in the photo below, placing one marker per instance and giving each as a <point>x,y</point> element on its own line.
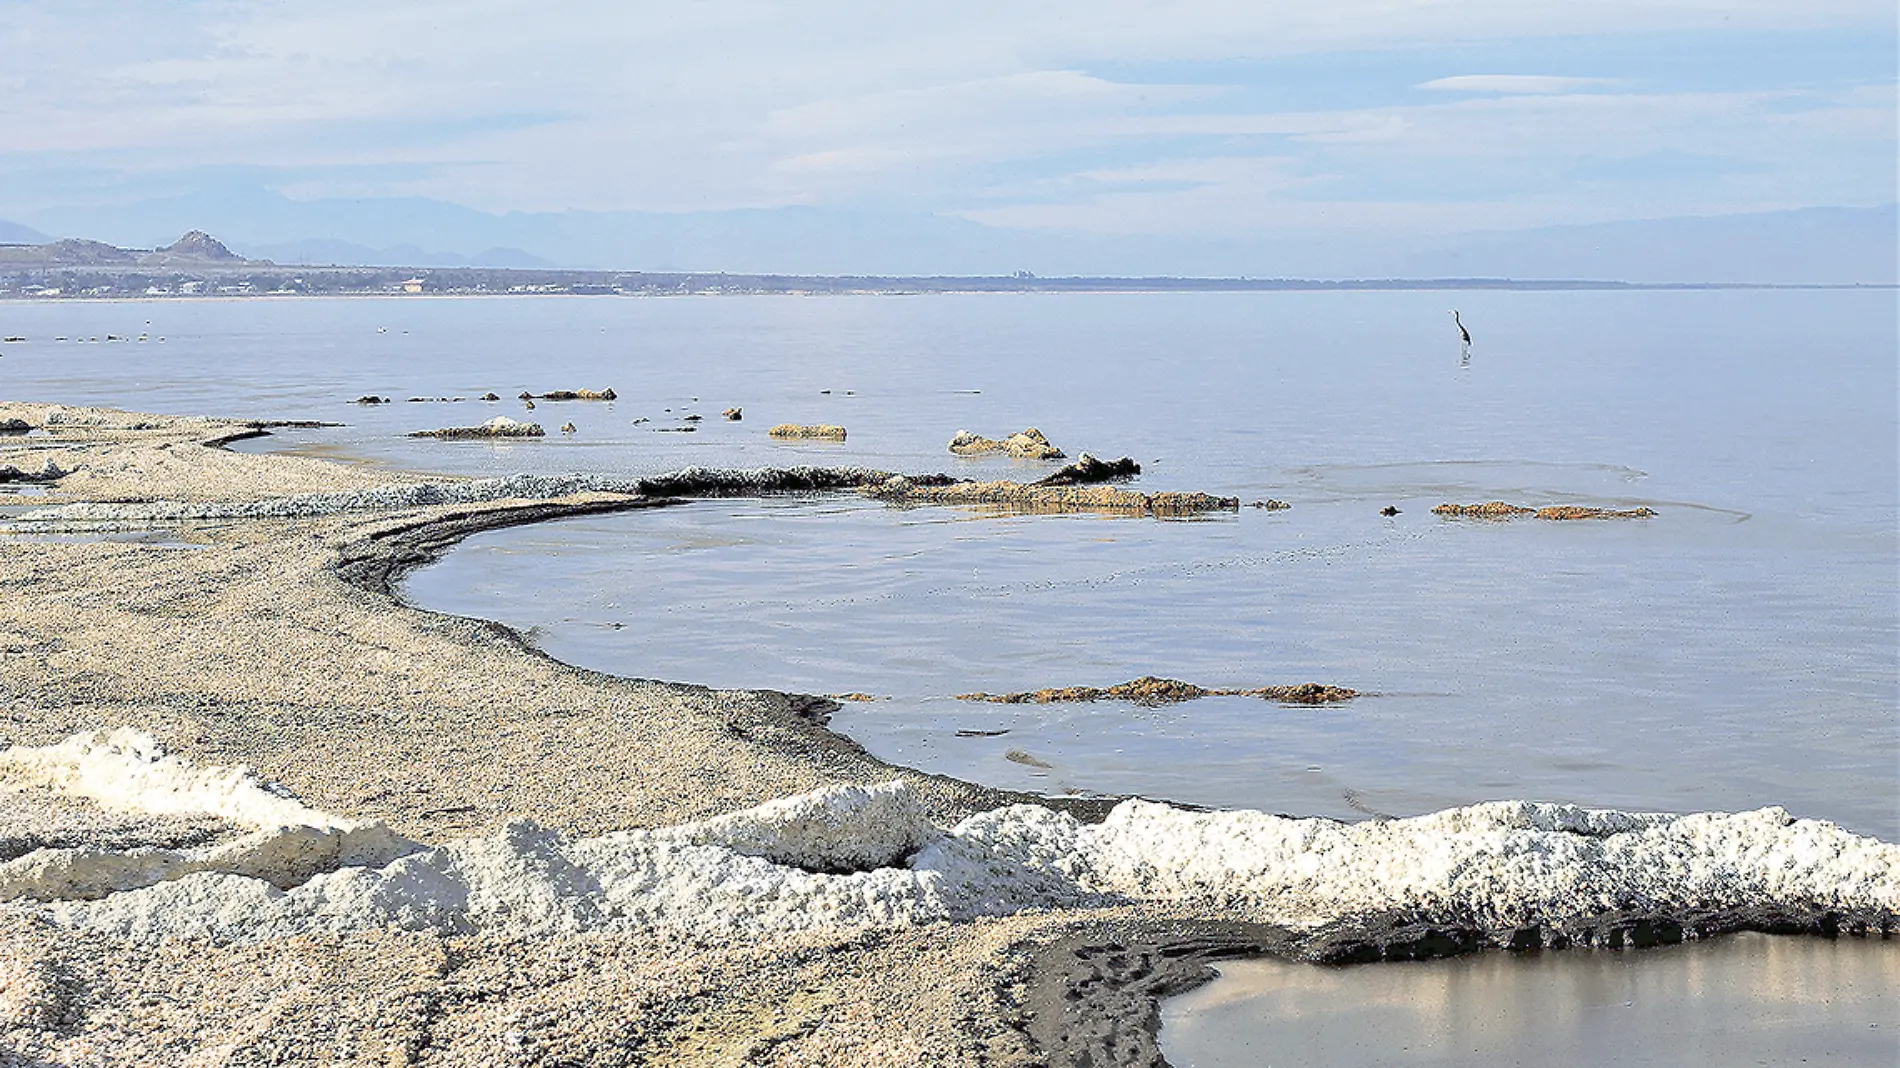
<point>1259,120</point>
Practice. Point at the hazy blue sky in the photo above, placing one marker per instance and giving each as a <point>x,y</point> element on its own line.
<point>1218,119</point>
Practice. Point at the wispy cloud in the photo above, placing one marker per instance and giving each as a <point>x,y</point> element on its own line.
<point>997,110</point>
<point>1517,83</point>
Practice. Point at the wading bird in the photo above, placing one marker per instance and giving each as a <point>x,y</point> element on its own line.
<point>1462,332</point>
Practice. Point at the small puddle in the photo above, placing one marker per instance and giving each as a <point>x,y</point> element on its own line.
<point>1744,999</point>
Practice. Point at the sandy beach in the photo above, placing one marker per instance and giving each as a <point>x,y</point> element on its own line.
<point>259,629</point>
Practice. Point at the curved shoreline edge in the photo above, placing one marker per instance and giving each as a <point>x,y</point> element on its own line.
<point>377,561</point>
<point>1076,986</point>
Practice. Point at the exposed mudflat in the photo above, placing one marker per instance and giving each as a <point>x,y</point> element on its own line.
<point>254,808</point>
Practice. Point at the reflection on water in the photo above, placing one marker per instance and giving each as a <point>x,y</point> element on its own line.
<point>1744,999</point>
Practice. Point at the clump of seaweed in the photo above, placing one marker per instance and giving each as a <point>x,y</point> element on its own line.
<point>1503,510</point>
<point>1053,499</point>
<point>1153,690</point>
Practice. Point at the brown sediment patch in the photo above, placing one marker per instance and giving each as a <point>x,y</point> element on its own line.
<point>1573,511</point>
<point>799,431</point>
<point>1488,510</point>
<point>1153,690</point>
<point>1032,498</point>
<point>1503,510</point>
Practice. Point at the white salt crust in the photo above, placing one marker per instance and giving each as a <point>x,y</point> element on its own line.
<point>866,856</point>
<point>128,771</point>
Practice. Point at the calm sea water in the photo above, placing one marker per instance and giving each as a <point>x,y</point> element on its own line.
<point>1738,650</point>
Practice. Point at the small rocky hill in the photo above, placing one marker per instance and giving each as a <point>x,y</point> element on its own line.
<point>195,249</point>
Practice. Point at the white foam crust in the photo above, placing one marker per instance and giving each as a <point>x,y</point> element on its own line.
<point>866,856</point>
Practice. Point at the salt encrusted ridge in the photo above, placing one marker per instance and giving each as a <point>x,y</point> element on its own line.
<point>129,771</point>
<point>867,856</point>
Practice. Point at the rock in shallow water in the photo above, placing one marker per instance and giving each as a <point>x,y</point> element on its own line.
<point>1029,497</point>
<point>572,394</point>
<point>1088,469</point>
<point>48,472</point>
<point>499,427</point>
<point>1026,445</point>
<point>795,431</point>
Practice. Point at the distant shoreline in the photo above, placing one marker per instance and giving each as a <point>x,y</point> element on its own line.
<point>253,282</point>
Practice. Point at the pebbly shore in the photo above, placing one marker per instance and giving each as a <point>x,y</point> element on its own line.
<point>253,807</point>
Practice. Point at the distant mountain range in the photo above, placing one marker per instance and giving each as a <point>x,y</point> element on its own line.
<point>1814,245</point>
<point>1834,245</point>
<point>322,252</point>
<point>15,234</point>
